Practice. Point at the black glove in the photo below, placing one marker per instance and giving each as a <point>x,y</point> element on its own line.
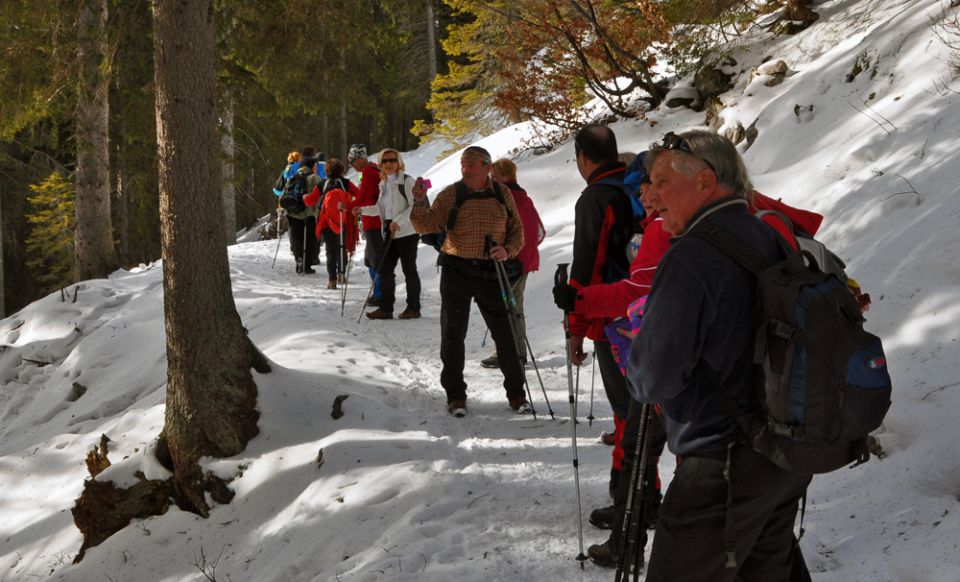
<point>564,296</point>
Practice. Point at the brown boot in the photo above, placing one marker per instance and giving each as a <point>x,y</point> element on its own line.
<point>380,314</point>
<point>332,284</point>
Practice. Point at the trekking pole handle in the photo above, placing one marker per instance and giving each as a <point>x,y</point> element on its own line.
<point>560,276</point>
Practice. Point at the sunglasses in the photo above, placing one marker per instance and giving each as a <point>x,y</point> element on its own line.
<point>672,141</point>
<point>389,161</point>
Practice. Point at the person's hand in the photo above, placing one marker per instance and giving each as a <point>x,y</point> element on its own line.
<point>357,210</point>
<point>419,190</point>
<point>498,253</point>
<point>341,206</point>
<point>394,227</point>
<point>564,296</point>
<point>577,356</point>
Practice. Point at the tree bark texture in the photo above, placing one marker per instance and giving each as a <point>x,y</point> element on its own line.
<point>431,44</point>
<point>93,238</point>
<point>211,395</point>
<point>228,155</point>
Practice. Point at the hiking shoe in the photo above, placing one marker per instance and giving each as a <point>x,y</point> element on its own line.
<point>520,405</point>
<point>409,314</point>
<point>457,408</point>
<point>608,438</point>
<point>309,270</point>
<point>380,314</point>
<point>300,266</point>
<point>603,517</point>
<point>332,284</point>
<point>491,362</point>
<point>603,555</point>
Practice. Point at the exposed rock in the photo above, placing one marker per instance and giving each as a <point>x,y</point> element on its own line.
<point>711,81</point>
<point>675,102</point>
<point>777,70</point>
<point>713,106</point>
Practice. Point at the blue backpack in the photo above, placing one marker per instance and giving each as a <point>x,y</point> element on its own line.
<point>822,381</point>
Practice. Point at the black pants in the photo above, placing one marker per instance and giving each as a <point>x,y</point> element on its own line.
<point>461,281</point>
<point>631,434</point>
<point>614,383</point>
<point>404,250</point>
<point>373,251</point>
<point>303,239</point>
<point>689,540</point>
<point>332,241</point>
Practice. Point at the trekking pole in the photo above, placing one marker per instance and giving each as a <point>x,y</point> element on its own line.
<point>632,525</point>
<point>515,312</point>
<point>483,342</point>
<point>346,283</point>
<point>342,270</point>
<point>501,275</point>
<point>279,238</point>
<point>373,280</point>
<point>560,278</point>
<point>593,378</point>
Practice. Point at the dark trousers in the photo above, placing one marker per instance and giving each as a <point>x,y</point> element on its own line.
<point>372,254</point>
<point>461,281</point>
<point>332,241</point>
<point>614,383</point>
<point>689,541</point>
<point>403,250</point>
<point>303,239</point>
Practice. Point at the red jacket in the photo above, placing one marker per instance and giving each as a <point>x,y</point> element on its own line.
<point>610,300</point>
<point>533,229</point>
<point>369,192</point>
<point>331,216</point>
<point>803,220</point>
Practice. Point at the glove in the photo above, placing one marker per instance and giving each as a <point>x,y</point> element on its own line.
<point>564,296</point>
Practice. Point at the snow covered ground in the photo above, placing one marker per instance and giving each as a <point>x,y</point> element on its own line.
<point>405,492</point>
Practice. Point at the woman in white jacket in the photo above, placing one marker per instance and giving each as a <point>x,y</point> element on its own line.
<point>394,204</point>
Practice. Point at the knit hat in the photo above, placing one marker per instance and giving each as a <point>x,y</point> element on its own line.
<point>358,151</point>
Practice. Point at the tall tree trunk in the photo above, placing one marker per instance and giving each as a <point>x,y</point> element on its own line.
<point>343,145</point>
<point>123,209</point>
<point>431,44</point>
<point>211,395</point>
<point>3,310</point>
<point>228,154</point>
<point>93,238</point>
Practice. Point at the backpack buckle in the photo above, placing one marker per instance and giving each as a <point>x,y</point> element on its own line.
<point>783,329</point>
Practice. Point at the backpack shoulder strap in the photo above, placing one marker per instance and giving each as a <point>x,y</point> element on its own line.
<point>733,246</point>
<point>402,186</point>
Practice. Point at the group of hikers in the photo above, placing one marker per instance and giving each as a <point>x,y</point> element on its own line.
<point>658,283</point>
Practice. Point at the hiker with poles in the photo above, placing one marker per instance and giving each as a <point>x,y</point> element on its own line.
<point>302,219</point>
<point>470,210</point>
<point>603,229</point>
<point>613,300</point>
<point>338,195</point>
<point>729,511</point>
<point>394,205</point>
<point>366,209</point>
<point>503,171</point>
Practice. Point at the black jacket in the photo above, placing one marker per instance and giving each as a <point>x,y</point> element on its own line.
<point>702,305</point>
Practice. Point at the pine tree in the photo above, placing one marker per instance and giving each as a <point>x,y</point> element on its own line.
<point>50,243</point>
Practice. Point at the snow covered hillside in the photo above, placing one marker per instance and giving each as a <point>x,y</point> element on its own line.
<point>396,489</point>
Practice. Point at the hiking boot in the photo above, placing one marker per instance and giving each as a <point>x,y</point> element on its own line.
<point>332,284</point>
<point>603,517</point>
<point>457,408</point>
<point>491,362</point>
<point>409,314</point>
<point>380,314</point>
<point>299,265</point>
<point>608,438</point>
<point>520,405</point>
<point>309,270</point>
<point>604,555</point>
<point>373,302</point>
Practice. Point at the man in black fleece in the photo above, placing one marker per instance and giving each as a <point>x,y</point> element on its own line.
<point>728,512</point>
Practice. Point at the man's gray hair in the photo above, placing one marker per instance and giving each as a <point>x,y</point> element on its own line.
<point>479,153</point>
<point>701,149</point>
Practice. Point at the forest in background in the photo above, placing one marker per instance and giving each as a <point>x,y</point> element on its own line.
<point>78,136</point>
